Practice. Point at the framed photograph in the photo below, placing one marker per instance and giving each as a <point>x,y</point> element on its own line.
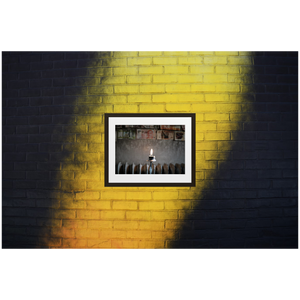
<point>150,149</point>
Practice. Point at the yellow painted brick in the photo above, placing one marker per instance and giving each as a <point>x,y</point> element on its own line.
<point>125,224</point>
<point>142,234</point>
<point>199,176</point>
<point>113,80</point>
<point>88,138</point>
<point>126,89</point>
<point>125,54</point>
<point>101,109</point>
<point>94,185</point>
<point>74,243</point>
<point>71,204</point>
<point>175,224</point>
<point>203,87</point>
<point>112,215</point>
<point>212,155</point>
<point>114,62</point>
<point>227,53</point>
<point>228,87</point>
<point>81,157</point>
<point>243,78</point>
<point>139,98</point>
<point>87,175</point>
<point>99,72</point>
<point>199,136</point>
<point>175,53</point>
<point>191,60</point>
<point>98,204</point>
<point>127,108</point>
<point>150,53</point>
<point>87,233</point>
<point>152,225</point>
<point>152,108</point>
<point>227,69</point>
<point>114,99</point>
<point>206,53</point>
<point>97,90</point>
<point>245,60</point>
<point>215,78</point>
<point>151,244</point>
<point>201,69</point>
<point>164,61</point>
<point>207,146</point>
<point>113,195</point>
<point>165,195</point>
<point>99,224</point>
<point>247,88</point>
<point>178,88</point>
<point>112,234</point>
<point>217,136</point>
<point>204,107</point>
<point>87,195</point>
<point>138,215</point>
<point>153,88</point>
<point>139,79</point>
<point>206,165</point>
<point>165,78</point>
<point>74,223</point>
<point>72,185</point>
<point>64,214</point>
<point>229,126</point>
<point>229,107</point>
<point>130,244</point>
<point>216,117</point>
<point>216,97</point>
<point>63,232</point>
<point>151,205</point>
<point>129,205</point>
<point>246,70</point>
<point>139,61</point>
<point>74,166</point>
<point>151,70</point>
<point>215,60</point>
<point>189,78</point>
<point>166,98</point>
<point>163,234</point>
<point>178,204</point>
<point>189,195</point>
<point>138,195</point>
<point>205,126</point>
<point>88,214</point>
<point>157,215</point>
<point>178,107</point>
<point>125,71</point>
<point>176,69</point>
<point>95,166</point>
<point>99,128</point>
<point>99,243</point>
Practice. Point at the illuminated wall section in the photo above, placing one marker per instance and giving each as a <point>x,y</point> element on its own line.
<point>67,205</point>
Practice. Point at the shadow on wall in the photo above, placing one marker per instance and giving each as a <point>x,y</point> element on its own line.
<point>43,136</point>
<point>252,200</point>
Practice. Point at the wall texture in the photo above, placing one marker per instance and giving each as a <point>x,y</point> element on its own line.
<point>246,150</point>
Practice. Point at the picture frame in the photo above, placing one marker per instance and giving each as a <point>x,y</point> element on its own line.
<point>142,168</point>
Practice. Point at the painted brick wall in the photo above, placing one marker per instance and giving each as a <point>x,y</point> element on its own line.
<point>246,150</point>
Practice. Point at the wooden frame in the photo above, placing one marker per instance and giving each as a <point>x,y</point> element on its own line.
<point>117,180</point>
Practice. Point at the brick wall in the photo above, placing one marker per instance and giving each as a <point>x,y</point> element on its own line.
<point>246,150</point>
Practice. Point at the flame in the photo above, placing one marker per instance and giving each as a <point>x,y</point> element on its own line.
<point>151,151</point>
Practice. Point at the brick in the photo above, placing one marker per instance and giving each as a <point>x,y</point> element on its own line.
<point>139,98</point>
<point>153,88</point>
<point>99,243</point>
<point>138,215</point>
<point>151,70</point>
<point>178,107</point>
<point>128,108</point>
<point>125,225</point>
<point>112,215</point>
<point>178,88</point>
<point>151,108</point>
<point>126,89</point>
<point>203,88</point>
<point>164,215</point>
<point>98,90</point>
<point>114,99</point>
<point>176,69</point>
<point>151,205</point>
<point>138,195</point>
<point>99,224</point>
<point>138,79</point>
<point>126,71</point>
<point>217,136</point>
<point>139,61</point>
<point>126,205</point>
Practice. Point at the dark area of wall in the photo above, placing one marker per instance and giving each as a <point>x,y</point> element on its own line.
<point>253,202</point>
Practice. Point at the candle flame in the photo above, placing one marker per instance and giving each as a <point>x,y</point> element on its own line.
<point>151,151</point>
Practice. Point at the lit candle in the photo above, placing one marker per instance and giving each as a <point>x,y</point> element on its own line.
<point>151,156</point>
